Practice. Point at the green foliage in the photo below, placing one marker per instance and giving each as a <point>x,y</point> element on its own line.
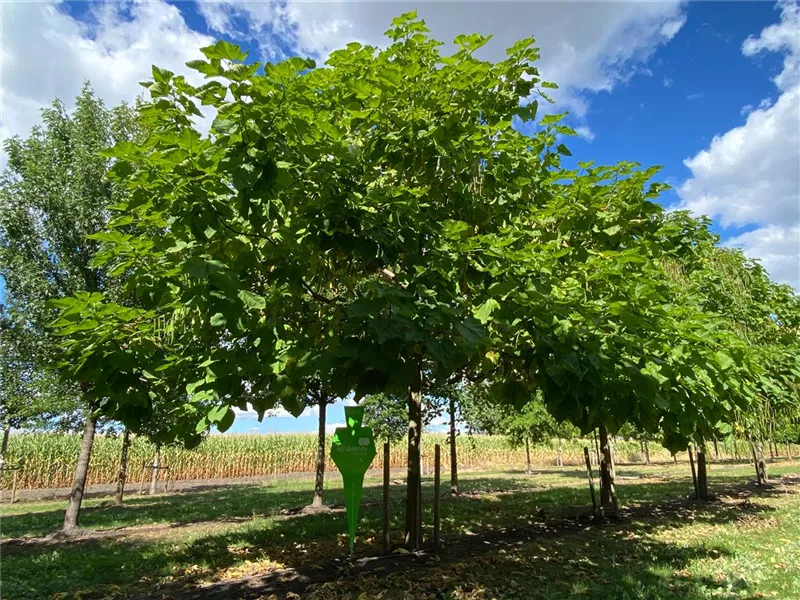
<point>52,196</point>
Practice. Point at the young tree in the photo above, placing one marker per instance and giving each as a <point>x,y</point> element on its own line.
<point>52,196</point>
<point>317,396</point>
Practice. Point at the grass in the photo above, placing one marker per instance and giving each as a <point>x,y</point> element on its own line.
<point>508,536</point>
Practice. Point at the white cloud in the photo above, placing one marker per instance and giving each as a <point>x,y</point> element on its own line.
<point>695,96</point>
<point>46,53</point>
<point>585,132</point>
<point>667,81</point>
<point>750,175</point>
<point>585,47</point>
<point>777,247</point>
<point>783,36</point>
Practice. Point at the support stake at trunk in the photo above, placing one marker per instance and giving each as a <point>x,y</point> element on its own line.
<point>386,474</point>
<point>608,490</point>
<point>588,460</point>
<point>528,457</point>
<point>413,477</point>
<point>319,479</point>
<point>123,467</point>
<point>453,450</point>
<point>154,474</point>
<point>694,474</point>
<point>437,471</point>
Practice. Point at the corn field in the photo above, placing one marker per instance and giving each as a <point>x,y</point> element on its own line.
<point>48,460</point>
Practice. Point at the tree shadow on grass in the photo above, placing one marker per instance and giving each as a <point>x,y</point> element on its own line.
<point>517,542</point>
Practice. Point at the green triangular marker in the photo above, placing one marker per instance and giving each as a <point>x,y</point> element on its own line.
<point>352,452</point>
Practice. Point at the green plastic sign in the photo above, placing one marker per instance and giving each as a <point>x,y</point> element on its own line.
<point>352,452</point>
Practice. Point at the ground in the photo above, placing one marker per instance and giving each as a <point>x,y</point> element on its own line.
<point>508,536</point>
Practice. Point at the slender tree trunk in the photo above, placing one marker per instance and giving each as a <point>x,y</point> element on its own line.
<point>770,445</point>
<point>788,451</point>
<point>702,474</point>
<point>528,456</point>
<point>73,511</point>
<point>154,474</point>
<point>736,454</point>
<point>716,450</point>
<point>560,453</point>
<point>320,476</point>
<point>646,453</point>
<point>608,491</point>
<point>413,531</point>
<point>6,435</point>
<point>762,465</point>
<point>453,449</point>
<point>123,467</point>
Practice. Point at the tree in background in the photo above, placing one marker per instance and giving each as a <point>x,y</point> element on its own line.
<point>54,195</point>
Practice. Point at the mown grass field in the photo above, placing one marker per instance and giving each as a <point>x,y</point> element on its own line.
<point>509,536</point>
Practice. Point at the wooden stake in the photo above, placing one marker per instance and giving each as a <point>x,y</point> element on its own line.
<point>386,465</point>
<point>588,460</point>
<point>694,474</point>
<point>437,466</point>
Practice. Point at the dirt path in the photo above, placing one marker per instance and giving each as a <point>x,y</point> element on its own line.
<point>189,485</point>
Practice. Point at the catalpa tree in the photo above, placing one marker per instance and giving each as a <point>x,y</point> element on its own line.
<point>314,231</point>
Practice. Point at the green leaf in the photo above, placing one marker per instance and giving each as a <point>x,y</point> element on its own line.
<point>224,50</point>
<point>252,301</point>
<point>484,311</point>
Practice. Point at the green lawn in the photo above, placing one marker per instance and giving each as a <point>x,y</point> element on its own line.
<point>509,536</point>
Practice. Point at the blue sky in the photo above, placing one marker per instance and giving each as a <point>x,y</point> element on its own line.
<point>709,90</point>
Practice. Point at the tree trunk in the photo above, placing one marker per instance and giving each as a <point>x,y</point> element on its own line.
<point>123,467</point>
<point>762,466</point>
<point>320,476</point>
<point>453,449</point>
<point>788,451</point>
<point>81,472</point>
<point>646,453</point>
<point>716,450</point>
<point>154,474</point>
<point>6,435</point>
<point>560,453</point>
<point>702,474</point>
<point>736,454</point>
<point>528,456</point>
<point>608,491</point>
<point>413,531</point>
<point>771,453</point>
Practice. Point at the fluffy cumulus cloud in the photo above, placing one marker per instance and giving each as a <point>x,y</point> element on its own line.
<point>47,53</point>
<point>750,176</point>
<point>585,47</point>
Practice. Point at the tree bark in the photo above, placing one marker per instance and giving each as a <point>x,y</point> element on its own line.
<point>608,491</point>
<point>528,456</point>
<point>560,453</point>
<point>716,450</point>
<point>646,453</point>
<point>762,465</point>
<point>6,435</point>
<point>453,449</point>
<point>702,474</point>
<point>73,511</point>
<point>154,474</point>
<point>123,467</point>
<point>413,531</point>
<point>319,479</point>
